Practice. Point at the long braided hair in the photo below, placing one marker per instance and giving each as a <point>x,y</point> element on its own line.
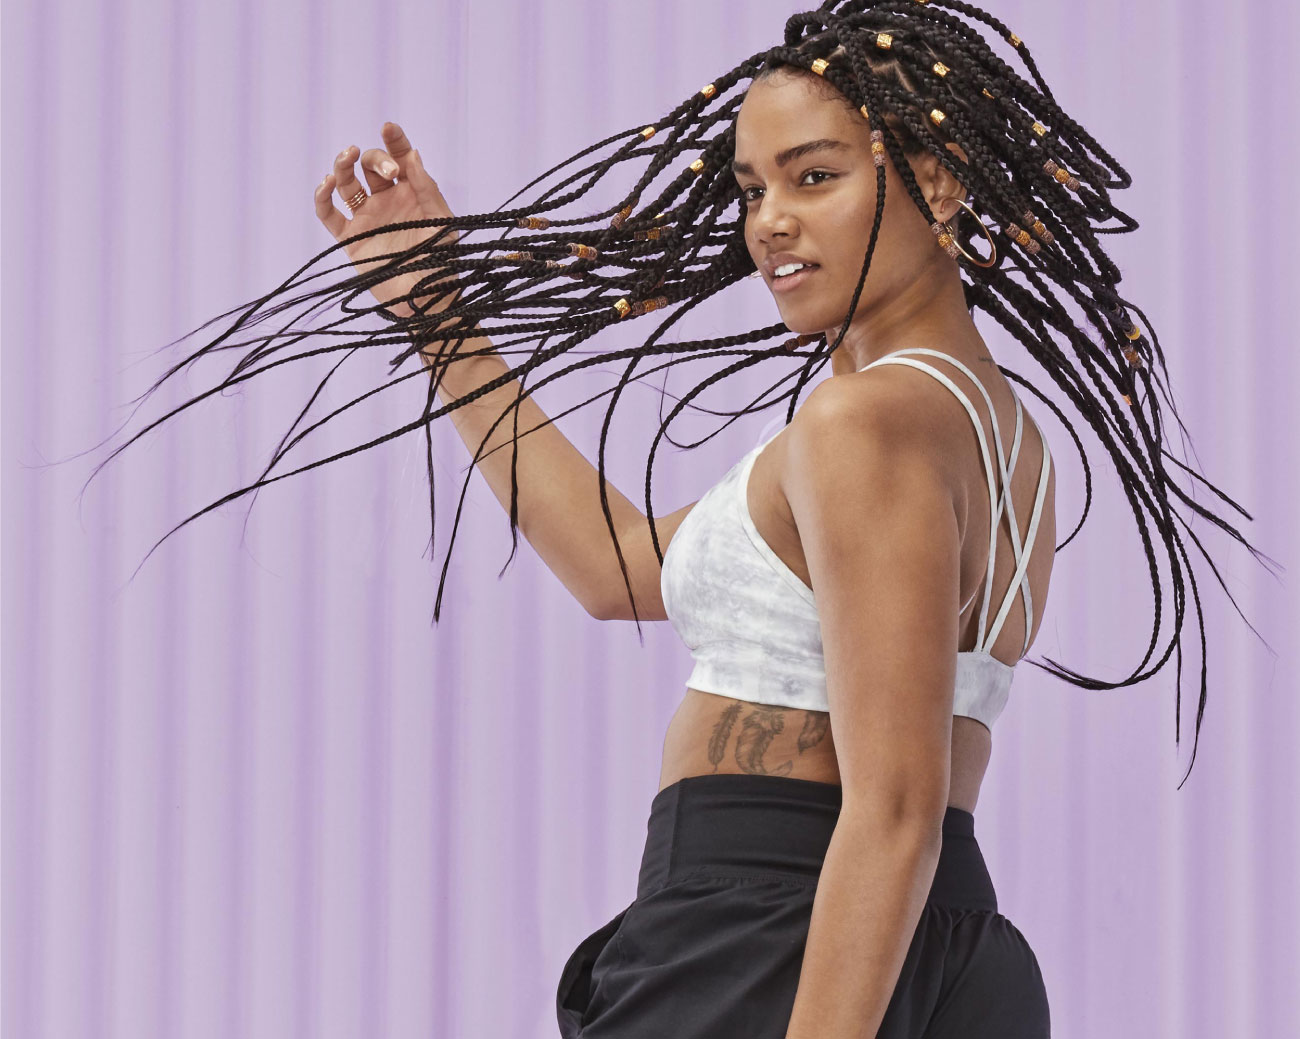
<point>924,75</point>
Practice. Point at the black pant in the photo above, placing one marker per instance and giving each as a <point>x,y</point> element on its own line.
<point>712,945</point>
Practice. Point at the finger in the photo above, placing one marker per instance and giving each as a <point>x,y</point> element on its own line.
<point>397,144</point>
<point>379,169</point>
<point>335,222</point>
<point>346,183</point>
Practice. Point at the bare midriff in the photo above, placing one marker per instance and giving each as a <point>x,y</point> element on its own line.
<point>711,735</point>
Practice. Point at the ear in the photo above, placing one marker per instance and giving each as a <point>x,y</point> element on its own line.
<point>939,186</point>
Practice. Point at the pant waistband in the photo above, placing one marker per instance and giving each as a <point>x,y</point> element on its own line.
<point>782,826</point>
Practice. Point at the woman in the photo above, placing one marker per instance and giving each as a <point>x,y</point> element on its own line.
<point>810,868</point>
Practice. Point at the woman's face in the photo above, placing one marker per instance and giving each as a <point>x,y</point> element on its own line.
<point>804,167</point>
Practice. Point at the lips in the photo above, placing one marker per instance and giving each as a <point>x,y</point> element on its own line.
<point>771,263</point>
<point>790,282</point>
<point>804,267</point>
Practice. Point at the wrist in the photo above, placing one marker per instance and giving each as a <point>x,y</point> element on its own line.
<point>471,353</point>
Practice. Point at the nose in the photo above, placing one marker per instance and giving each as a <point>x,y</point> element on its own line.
<point>773,217</point>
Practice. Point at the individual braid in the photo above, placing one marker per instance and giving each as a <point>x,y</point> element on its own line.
<point>560,261</point>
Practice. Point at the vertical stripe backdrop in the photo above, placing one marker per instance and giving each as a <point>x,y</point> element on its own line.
<point>251,791</point>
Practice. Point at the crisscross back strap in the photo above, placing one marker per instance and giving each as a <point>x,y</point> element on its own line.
<point>997,501</point>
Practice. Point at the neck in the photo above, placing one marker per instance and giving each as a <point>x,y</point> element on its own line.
<point>930,312</point>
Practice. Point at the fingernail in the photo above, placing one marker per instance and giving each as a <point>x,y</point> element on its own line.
<point>388,169</point>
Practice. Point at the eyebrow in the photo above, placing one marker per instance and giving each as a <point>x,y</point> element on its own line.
<point>790,154</point>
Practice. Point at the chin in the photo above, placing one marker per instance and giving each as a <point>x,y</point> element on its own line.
<point>802,325</point>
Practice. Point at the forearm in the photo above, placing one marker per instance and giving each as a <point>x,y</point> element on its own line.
<point>559,508</point>
<point>873,886</point>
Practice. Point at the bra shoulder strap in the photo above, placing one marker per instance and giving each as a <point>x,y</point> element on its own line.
<point>996,501</point>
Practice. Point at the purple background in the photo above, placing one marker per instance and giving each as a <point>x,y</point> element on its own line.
<point>253,793</point>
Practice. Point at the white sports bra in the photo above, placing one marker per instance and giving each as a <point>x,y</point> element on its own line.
<point>751,623</point>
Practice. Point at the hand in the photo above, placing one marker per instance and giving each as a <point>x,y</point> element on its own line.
<point>400,189</point>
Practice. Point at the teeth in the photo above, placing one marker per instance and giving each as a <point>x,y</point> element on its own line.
<point>788,268</point>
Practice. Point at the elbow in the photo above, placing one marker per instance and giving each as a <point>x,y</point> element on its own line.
<point>602,606</point>
<point>914,819</point>
<point>913,836</point>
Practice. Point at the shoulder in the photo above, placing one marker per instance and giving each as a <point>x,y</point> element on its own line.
<point>888,418</point>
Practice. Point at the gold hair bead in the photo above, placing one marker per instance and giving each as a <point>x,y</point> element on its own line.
<point>697,165</point>
<point>991,97</point>
<point>708,90</point>
<point>1022,239</point>
<point>937,117</point>
<point>1040,129</point>
<point>518,256</point>
<point>1134,333</point>
<point>945,239</point>
<point>1014,40</point>
<point>623,307</point>
<point>537,223</point>
<point>646,305</point>
<point>884,41</point>
<point>1126,399</point>
<point>621,216</point>
<point>648,132</point>
<point>820,65</point>
<point>643,236</point>
<point>940,68</point>
<point>1133,357</point>
<point>865,113</point>
<point>1039,227</point>
<point>583,252</point>
<point>1020,236</point>
<point>1062,176</point>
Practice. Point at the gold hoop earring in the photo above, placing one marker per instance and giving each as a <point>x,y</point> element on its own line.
<point>949,244</point>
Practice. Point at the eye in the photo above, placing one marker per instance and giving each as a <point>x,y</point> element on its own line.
<point>745,192</point>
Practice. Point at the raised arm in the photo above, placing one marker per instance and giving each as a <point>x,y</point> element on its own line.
<point>559,495</point>
<point>559,505</point>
